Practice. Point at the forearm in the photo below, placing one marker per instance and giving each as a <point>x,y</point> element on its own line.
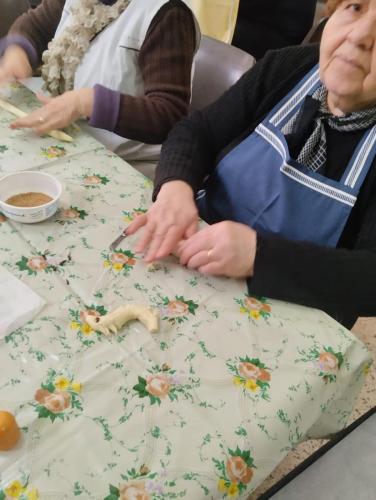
<point>38,25</point>
<point>338,281</point>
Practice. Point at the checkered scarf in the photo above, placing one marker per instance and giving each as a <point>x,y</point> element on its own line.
<point>313,153</point>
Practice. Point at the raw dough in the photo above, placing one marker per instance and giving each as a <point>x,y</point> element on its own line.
<point>113,321</point>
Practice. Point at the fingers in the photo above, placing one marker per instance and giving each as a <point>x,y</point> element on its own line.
<point>156,242</point>
<point>56,113</point>
<point>146,237</point>
<point>138,222</point>
<point>212,269</point>
<point>199,259</point>
<point>195,244</point>
<point>171,239</point>
<point>44,98</point>
<point>191,230</point>
<point>28,121</point>
<point>39,121</point>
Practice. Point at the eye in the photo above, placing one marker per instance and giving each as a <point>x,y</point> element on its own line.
<point>355,7</point>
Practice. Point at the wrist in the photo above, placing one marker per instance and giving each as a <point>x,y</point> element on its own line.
<point>252,253</point>
<point>85,102</point>
<point>17,58</point>
<point>176,187</point>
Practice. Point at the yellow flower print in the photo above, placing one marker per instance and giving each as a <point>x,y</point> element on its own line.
<point>117,266</point>
<point>86,329</point>
<point>106,263</point>
<point>32,494</point>
<point>254,314</point>
<point>14,490</point>
<point>233,490</point>
<point>62,383</point>
<point>147,183</point>
<point>76,386</point>
<point>222,485</point>
<point>366,369</point>
<point>74,325</point>
<point>251,385</point>
<point>238,381</point>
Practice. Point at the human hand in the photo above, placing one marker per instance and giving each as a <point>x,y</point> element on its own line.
<point>170,219</point>
<point>226,249</point>
<point>14,64</point>
<point>58,112</point>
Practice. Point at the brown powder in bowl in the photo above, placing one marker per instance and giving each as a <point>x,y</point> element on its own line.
<point>28,199</point>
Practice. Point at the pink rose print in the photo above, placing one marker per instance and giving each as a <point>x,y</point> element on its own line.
<point>133,490</point>
<point>37,263</point>
<point>55,402</point>
<point>158,385</point>
<point>328,362</point>
<point>238,470</point>
<point>177,308</point>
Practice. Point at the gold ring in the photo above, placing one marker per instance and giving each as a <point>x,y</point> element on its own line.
<point>210,251</point>
<point>41,119</point>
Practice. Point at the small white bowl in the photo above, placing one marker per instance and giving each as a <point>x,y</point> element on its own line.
<point>26,182</point>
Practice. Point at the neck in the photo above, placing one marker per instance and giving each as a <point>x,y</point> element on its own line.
<point>334,105</point>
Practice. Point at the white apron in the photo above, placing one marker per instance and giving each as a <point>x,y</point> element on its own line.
<point>112,61</point>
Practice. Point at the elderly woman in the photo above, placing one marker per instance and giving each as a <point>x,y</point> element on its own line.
<point>125,65</point>
<point>286,160</point>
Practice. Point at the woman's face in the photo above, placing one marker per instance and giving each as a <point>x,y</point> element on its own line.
<point>348,56</point>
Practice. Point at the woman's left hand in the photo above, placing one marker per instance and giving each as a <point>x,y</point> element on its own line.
<point>58,112</point>
<point>226,249</point>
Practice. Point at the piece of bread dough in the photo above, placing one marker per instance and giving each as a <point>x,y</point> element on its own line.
<point>113,321</point>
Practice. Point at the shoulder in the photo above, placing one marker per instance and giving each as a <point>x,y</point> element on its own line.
<point>281,69</point>
<point>173,12</point>
<point>295,58</point>
<point>171,7</point>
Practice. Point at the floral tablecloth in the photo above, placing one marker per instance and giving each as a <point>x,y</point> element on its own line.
<point>205,408</point>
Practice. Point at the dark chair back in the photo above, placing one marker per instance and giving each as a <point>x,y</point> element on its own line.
<point>314,34</point>
<point>217,66</point>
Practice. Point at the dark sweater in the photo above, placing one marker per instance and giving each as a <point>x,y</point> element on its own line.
<point>165,61</point>
<point>341,281</point>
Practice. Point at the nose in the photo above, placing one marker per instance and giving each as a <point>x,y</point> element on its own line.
<point>363,32</point>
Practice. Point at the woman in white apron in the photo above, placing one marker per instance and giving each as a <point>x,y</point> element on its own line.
<point>125,65</point>
<point>285,161</point>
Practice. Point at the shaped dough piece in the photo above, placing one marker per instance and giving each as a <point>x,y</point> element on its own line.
<point>113,321</point>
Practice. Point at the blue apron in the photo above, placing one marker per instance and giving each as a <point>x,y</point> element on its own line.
<point>260,185</point>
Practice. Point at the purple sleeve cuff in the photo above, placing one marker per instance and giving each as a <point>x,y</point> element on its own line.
<point>106,108</point>
<point>24,43</point>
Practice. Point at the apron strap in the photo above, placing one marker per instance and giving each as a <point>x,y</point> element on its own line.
<point>361,162</point>
<point>289,104</point>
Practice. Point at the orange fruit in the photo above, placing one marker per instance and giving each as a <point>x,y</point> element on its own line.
<point>9,431</point>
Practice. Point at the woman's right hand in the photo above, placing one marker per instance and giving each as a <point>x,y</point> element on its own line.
<point>172,218</point>
<point>14,65</point>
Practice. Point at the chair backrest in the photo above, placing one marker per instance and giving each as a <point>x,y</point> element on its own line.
<point>314,34</point>
<point>9,11</point>
<point>217,66</point>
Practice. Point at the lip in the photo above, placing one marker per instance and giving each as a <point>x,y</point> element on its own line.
<point>350,61</point>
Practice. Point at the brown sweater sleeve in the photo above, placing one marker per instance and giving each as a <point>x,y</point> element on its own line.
<point>165,60</point>
<point>39,25</point>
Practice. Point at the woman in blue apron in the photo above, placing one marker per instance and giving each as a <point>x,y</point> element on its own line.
<point>283,168</point>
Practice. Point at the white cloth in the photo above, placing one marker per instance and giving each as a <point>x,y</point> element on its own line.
<point>18,303</point>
